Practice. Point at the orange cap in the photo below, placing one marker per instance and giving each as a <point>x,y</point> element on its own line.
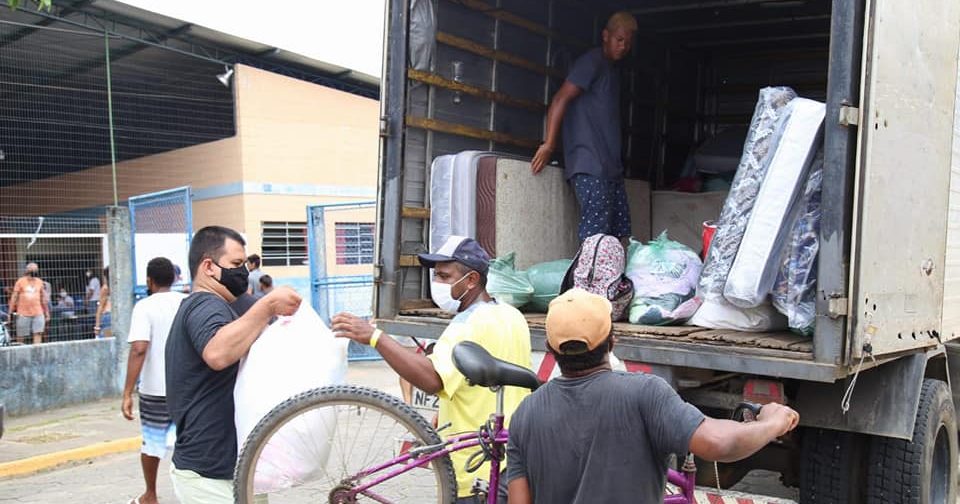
<point>577,315</point>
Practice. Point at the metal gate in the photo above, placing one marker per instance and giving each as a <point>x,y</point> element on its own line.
<point>162,225</point>
<point>331,294</point>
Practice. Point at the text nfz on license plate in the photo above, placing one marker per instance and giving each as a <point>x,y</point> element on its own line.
<point>424,400</point>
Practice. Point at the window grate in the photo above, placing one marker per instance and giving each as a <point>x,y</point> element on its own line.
<point>283,243</point>
<point>354,242</point>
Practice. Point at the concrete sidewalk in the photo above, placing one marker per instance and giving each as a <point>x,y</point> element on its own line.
<point>82,432</point>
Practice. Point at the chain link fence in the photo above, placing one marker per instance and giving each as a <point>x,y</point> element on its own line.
<point>341,249</point>
<point>88,120</point>
<point>161,224</point>
<point>352,294</point>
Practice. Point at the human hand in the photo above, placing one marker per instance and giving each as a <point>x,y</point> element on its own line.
<point>348,325</point>
<point>127,407</point>
<point>541,158</point>
<point>784,417</point>
<point>283,301</point>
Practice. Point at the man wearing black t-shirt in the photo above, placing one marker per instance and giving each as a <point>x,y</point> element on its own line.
<point>206,342</point>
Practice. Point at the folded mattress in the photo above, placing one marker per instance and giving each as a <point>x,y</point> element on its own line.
<point>534,216</point>
<point>754,270</point>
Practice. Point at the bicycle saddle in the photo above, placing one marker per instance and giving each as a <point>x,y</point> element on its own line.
<point>485,370</point>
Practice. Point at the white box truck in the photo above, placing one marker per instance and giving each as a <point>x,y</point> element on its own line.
<point>478,74</point>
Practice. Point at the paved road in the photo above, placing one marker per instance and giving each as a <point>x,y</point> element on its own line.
<point>117,478</point>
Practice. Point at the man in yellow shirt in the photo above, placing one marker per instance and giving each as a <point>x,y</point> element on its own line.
<point>459,286</point>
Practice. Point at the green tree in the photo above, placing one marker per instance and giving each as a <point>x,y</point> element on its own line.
<point>41,4</point>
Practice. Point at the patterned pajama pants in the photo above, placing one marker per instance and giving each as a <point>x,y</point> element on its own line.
<point>603,206</point>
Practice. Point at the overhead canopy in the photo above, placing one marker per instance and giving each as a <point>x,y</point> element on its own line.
<point>164,89</point>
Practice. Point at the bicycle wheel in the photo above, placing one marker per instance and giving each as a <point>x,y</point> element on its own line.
<point>311,447</point>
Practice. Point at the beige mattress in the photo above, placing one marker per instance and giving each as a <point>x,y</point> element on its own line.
<point>682,215</point>
<point>534,216</point>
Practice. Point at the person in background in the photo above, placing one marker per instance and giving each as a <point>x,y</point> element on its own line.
<point>65,306</point>
<point>149,326</point>
<point>253,264</point>
<point>587,106</point>
<point>29,305</point>
<point>102,321</point>
<point>266,285</point>
<point>92,295</point>
<point>178,280</point>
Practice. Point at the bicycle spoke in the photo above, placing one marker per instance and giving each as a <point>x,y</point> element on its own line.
<point>335,439</point>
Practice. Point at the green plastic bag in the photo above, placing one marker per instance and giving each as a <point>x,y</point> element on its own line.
<point>506,284</point>
<point>546,279</point>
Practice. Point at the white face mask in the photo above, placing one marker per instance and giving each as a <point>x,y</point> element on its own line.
<point>443,297</point>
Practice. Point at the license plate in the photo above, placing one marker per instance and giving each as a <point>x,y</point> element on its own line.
<point>422,400</point>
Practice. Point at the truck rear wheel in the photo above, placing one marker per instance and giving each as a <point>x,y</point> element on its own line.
<point>830,467</point>
<point>924,469</point>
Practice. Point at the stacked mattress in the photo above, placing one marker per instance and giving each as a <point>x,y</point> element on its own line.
<point>453,190</point>
<point>746,253</point>
<point>771,113</point>
<point>754,271</point>
<point>495,199</point>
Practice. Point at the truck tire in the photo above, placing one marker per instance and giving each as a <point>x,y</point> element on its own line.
<point>924,469</point>
<point>830,468</point>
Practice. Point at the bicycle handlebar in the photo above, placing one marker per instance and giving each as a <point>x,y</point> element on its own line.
<point>746,411</point>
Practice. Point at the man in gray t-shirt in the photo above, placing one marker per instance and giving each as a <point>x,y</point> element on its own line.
<point>595,435</point>
<point>588,107</point>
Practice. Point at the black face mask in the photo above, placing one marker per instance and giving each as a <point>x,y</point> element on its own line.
<point>31,273</point>
<point>234,279</point>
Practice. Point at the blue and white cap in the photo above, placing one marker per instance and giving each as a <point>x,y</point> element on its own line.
<point>461,249</point>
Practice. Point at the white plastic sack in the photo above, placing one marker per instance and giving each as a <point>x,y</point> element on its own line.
<point>719,314</point>
<point>754,270</point>
<point>293,355</point>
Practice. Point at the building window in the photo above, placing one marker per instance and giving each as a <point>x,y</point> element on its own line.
<point>283,244</point>
<point>354,242</point>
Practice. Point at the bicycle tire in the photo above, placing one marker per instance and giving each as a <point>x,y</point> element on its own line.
<point>346,398</point>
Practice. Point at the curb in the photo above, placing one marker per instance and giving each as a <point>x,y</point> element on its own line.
<point>48,460</point>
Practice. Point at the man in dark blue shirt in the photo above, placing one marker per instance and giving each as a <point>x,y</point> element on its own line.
<point>207,340</point>
<point>588,107</point>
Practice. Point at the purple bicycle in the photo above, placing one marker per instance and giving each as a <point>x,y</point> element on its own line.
<point>348,444</point>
